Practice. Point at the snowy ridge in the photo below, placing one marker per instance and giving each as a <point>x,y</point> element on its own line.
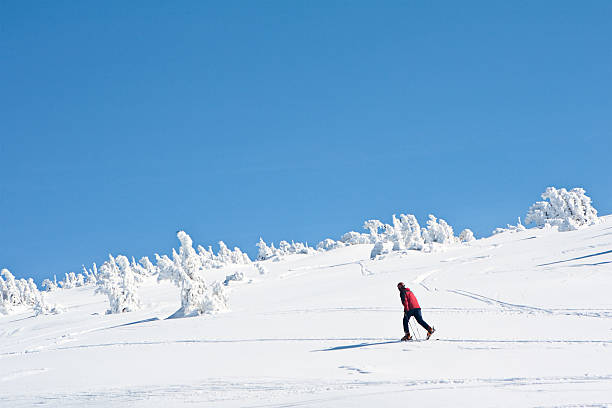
<point>119,278</point>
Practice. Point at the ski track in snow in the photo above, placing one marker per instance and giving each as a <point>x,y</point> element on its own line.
<point>531,309</point>
<point>420,279</point>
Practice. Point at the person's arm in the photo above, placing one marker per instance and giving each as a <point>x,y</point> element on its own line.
<point>403,297</point>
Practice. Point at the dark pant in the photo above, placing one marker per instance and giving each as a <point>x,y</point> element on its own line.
<point>417,315</point>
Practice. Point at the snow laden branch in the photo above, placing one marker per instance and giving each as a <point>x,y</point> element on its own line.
<point>567,210</point>
<point>186,270</point>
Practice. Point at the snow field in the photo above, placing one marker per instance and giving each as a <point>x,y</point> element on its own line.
<point>523,318</point>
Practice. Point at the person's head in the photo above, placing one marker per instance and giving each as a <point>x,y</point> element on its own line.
<point>400,285</point>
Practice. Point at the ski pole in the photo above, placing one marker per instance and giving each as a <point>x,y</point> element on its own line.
<point>417,330</point>
<point>412,328</point>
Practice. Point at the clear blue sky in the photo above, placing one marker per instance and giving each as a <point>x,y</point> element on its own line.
<point>123,122</point>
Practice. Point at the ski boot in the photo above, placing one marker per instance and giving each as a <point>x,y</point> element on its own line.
<point>407,337</point>
<point>430,332</point>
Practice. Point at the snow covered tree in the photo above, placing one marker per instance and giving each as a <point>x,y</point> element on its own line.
<point>284,248</point>
<point>355,238</point>
<point>406,233</point>
<point>9,291</point>
<point>49,285</point>
<point>438,231</point>
<point>208,256</point>
<point>239,257</point>
<point>90,275</point>
<point>29,291</point>
<point>227,257</point>
<point>186,271</point>
<point>567,210</point>
<point>20,292</point>
<point>373,226</point>
<point>466,235</point>
<point>301,248</point>
<point>119,283</point>
<point>329,244</point>
<point>147,265</point>
<point>36,299</point>
<point>224,255</point>
<point>72,280</point>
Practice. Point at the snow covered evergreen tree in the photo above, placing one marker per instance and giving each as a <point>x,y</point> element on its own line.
<point>186,271</point>
<point>36,299</point>
<point>49,285</point>
<point>10,293</point>
<point>117,280</point>
<point>567,210</point>
<point>438,231</point>
<point>406,233</point>
<point>466,235</point>
<point>224,255</point>
<point>329,244</point>
<point>284,248</point>
<point>20,292</point>
<point>355,238</point>
<point>147,265</point>
<point>91,276</point>
<point>72,280</point>
<point>373,226</point>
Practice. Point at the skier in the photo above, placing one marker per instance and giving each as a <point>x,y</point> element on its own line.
<point>412,308</point>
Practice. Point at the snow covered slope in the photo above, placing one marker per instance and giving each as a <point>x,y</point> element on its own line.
<point>522,319</point>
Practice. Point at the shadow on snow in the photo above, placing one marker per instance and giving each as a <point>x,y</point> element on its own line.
<point>352,346</point>
<point>575,259</point>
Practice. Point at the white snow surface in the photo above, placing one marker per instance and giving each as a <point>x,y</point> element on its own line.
<point>522,319</point>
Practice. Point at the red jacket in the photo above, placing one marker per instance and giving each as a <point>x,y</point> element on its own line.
<point>409,300</point>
